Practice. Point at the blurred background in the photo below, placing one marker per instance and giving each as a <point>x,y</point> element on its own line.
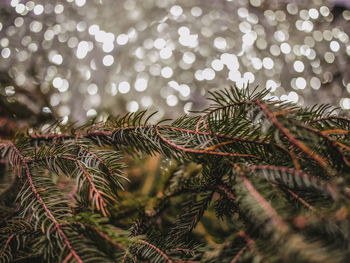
<point>76,59</point>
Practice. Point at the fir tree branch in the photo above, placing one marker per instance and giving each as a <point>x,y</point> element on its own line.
<point>41,201</point>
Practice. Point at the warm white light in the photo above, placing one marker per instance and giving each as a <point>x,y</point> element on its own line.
<point>220,43</point>
<point>107,47</point>
<point>122,39</point>
<point>230,60</point>
<point>217,65</point>
<point>184,90</point>
<point>345,103</point>
<point>315,83</point>
<point>165,53</point>
<point>249,38</point>
<point>184,30</point>
<point>167,72</point>
<point>132,106</point>
<point>93,29</point>
<point>20,8</point>
<point>159,43</point>
<point>91,113</point>
<point>196,11</point>
<point>208,74</point>
<point>188,57</point>
<point>257,63</point>
<point>146,101</point>
<point>298,66</point>
<point>285,48</point>
<point>108,60</point>
<point>248,77</point>
<point>80,2</point>
<point>268,63</point>
<point>92,89</point>
<point>176,10</point>
<point>141,82</point>
<point>124,87</point>
<point>190,40</point>
<point>57,59</point>
<point>172,100</point>
<point>271,85</point>
<point>6,52</point>
<point>64,86</point>
<point>38,9</point>
<point>57,82</point>
<point>82,50</point>
<point>300,83</point>
<point>334,45</point>
<point>313,13</point>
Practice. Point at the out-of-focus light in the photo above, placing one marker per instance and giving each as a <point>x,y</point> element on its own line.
<point>268,63</point>
<point>132,106</point>
<point>124,87</point>
<point>82,50</point>
<point>167,72</point>
<point>298,66</point>
<point>122,39</point>
<point>300,83</point>
<point>108,60</point>
<point>217,65</point>
<point>334,45</point>
<point>176,10</point>
<point>172,100</point>
<point>80,2</point>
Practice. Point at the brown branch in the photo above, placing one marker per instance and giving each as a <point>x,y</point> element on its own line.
<point>6,245</point>
<point>157,249</point>
<point>204,117</point>
<point>300,199</point>
<point>332,142</point>
<point>328,118</point>
<point>227,192</point>
<point>100,203</point>
<point>100,233</point>
<point>264,205</point>
<point>239,254</point>
<point>98,158</point>
<point>183,149</point>
<point>331,189</point>
<point>323,163</point>
<point>43,204</point>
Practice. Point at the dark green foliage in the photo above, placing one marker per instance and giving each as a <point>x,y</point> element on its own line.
<point>247,180</point>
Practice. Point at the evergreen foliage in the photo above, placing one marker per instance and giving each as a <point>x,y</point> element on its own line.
<point>246,180</point>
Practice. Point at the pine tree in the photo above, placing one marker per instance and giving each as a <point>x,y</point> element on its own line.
<point>246,180</point>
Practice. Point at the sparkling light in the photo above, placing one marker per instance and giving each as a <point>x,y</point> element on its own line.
<point>122,39</point>
<point>80,2</point>
<point>167,72</point>
<point>188,57</point>
<point>300,83</point>
<point>208,74</point>
<point>268,63</point>
<point>217,65</point>
<point>220,43</point>
<point>82,50</point>
<point>141,82</point>
<point>108,60</point>
<point>176,10</point>
<point>298,66</point>
<point>132,106</point>
<point>334,45</point>
<point>124,87</point>
<point>92,89</point>
<point>172,100</point>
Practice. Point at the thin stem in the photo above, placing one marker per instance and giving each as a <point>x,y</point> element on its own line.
<point>43,204</point>
<point>156,249</point>
<point>323,163</point>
